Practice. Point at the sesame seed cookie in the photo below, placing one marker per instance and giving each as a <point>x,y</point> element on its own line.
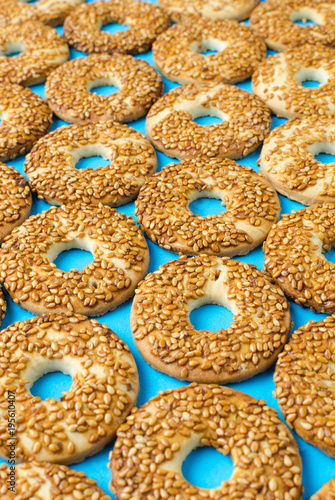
<point>47,481</point>
<point>293,256</point>
<point>246,121</point>
<point>67,89</point>
<point>120,252</point>
<point>274,21</point>
<point>181,10</point>
<point>288,159</point>
<point>51,171</point>
<point>162,433</point>
<point>327,492</point>
<point>75,426</point>
<point>168,341</point>
<point>51,12</point>
<point>15,200</point>
<point>82,27</point>
<point>277,81</point>
<point>304,379</point>
<point>25,117</point>
<point>162,207</point>
<point>177,51</point>
<point>43,49</point>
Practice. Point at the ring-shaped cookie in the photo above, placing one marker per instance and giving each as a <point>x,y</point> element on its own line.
<point>42,50</point>
<point>77,425</point>
<point>245,123</point>
<point>25,117</point>
<point>52,174</point>
<point>67,89</point>
<point>146,21</point>
<point>327,492</point>
<point>51,12</point>
<point>170,343</point>
<point>181,10</point>
<point>120,252</point>
<point>293,256</point>
<point>288,159</point>
<point>162,433</point>
<point>162,208</point>
<point>273,20</point>
<point>15,200</point>
<point>277,81</point>
<point>304,379</point>
<point>177,52</point>
<point>47,481</point>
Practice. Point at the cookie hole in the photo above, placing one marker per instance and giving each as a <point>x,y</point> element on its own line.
<point>323,152</point>
<point>92,162</point>
<point>325,158</point>
<point>207,468</point>
<point>103,86</point>
<point>114,27</point>
<point>206,207</point>
<point>304,18</point>
<point>51,385</point>
<point>330,255</point>
<point>208,46</point>
<point>73,259</point>
<point>211,317</point>
<point>311,77</point>
<point>13,49</point>
<point>207,120</point>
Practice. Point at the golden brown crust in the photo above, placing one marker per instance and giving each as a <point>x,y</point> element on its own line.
<point>146,21</point>
<point>274,21</point>
<point>293,256</point>
<point>67,88</point>
<point>121,260</point>
<point>75,426</point>
<point>177,51</point>
<point>25,118</point>
<point>181,10</point>
<point>304,378</point>
<point>171,129</point>
<point>51,12</point>
<point>51,171</point>
<point>327,492</point>
<point>167,340</point>
<point>277,81</point>
<point>162,208</point>
<point>169,426</point>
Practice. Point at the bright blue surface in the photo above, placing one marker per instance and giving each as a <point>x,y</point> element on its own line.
<point>206,206</point>
<point>45,387</point>
<point>198,467</point>
<point>317,467</point>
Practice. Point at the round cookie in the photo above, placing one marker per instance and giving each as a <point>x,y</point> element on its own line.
<point>245,123</point>
<point>171,344</point>
<point>52,174</point>
<point>177,51</point>
<point>77,425</point>
<point>82,28</point>
<point>304,379</point>
<point>181,10</point>
<point>274,21</point>
<point>293,256</point>
<point>162,432</point>
<point>25,117</point>
<point>277,81</point>
<point>47,481</point>
<point>15,200</point>
<point>67,89</point>
<point>120,252</point>
<point>288,159</point>
<point>42,50</point>
<point>51,12</point>
<point>162,208</point>
<point>327,492</point>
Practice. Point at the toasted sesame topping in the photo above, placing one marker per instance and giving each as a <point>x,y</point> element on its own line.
<point>326,492</point>
<point>181,10</point>
<point>166,338</point>
<point>274,21</point>
<point>146,21</point>
<point>67,89</point>
<point>287,159</point>
<point>305,381</point>
<point>155,439</point>
<point>170,125</point>
<point>25,118</point>
<point>293,256</point>
<point>51,164</point>
<point>277,81</point>
<point>120,260</point>
<point>52,12</point>
<point>177,51</point>
<point>162,207</point>
<point>104,388</point>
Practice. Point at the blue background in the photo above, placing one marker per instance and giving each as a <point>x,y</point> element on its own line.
<point>204,467</point>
